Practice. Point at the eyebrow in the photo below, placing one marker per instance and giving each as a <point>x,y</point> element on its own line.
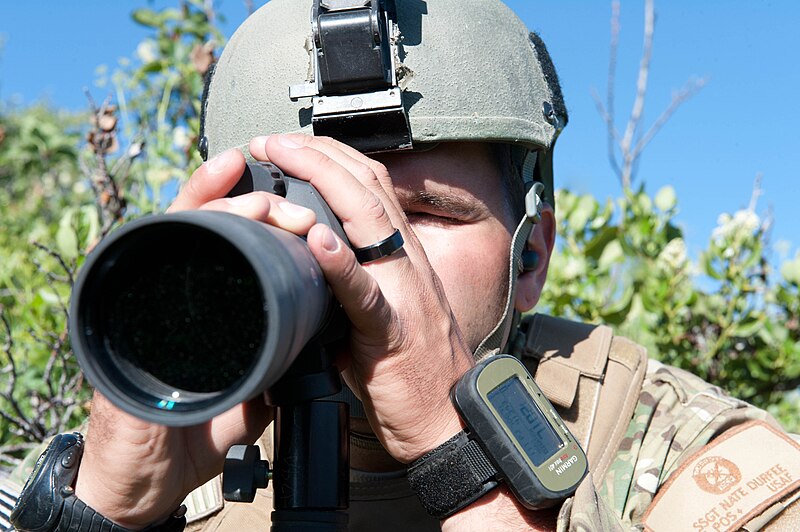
<point>442,202</point>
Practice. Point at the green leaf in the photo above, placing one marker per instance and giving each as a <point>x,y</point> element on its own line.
<point>611,253</point>
<point>747,328</point>
<point>48,296</point>
<point>582,213</point>
<point>565,202</point>
<point>171,14</point>
<point>616,312</point>
<point>153,67</point>
<point>645,206</point>
<point>156,177</point>
<point>790,270</point>
<point>707,264</point>
<point>603,217</point>
<point>66,239</point>
<point>146,17</point>
<point>666,199</point>
<point>90,225</point>
<point>598,243</point>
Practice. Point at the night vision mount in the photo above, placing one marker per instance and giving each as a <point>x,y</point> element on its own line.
<point>355,93</point>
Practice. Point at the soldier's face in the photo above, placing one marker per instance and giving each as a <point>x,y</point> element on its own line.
<point>454,199</point>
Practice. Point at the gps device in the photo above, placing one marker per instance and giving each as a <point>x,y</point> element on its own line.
<point>520,431</point>
<point>514,436</point>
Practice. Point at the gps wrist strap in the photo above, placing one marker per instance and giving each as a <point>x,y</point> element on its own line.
<point>452,476</point>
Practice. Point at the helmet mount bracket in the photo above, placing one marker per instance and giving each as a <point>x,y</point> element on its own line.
<point>355,94</point>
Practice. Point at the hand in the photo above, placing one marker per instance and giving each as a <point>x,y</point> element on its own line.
<point>136,473</point>
<point>406,350</point>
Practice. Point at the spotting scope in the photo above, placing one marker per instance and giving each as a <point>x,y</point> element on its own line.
<point>178,317</point>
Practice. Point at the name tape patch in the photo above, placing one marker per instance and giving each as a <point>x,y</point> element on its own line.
<point>728,482</point>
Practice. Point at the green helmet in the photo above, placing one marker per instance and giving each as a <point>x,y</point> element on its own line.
<point>469,70</point>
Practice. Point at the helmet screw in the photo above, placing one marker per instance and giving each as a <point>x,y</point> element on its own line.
<point>202,147</point>
<point>549,113</point>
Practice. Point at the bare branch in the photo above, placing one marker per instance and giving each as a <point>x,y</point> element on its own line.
<point>631,144</point>
<point>122,167</point>
<point>102,139</point>
<point>692,87</point>
<point>11,448</point>
<point>611,82</point>
<point>68,269</point>
<point>19,419</point>
<point>641,93</point>
<point>613,134</point>
<point>208,8</point>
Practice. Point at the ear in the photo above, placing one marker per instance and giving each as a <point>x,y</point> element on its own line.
<point>541,241</point>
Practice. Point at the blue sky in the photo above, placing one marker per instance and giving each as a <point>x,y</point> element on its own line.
<point>743,123</point>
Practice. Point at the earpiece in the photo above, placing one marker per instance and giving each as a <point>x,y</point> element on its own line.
<point>530,259</point>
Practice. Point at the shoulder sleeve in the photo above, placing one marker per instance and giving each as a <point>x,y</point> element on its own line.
<point>743,479</point>
<point>587,511</point>
<point>677,416</point>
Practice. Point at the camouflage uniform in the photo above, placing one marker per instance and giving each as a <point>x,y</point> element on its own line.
<point>676,415</point>
<point>634,446</point>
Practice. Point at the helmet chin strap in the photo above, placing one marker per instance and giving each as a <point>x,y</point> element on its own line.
<point>499,336</point>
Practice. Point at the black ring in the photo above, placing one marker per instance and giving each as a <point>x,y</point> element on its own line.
<point>378,250</point>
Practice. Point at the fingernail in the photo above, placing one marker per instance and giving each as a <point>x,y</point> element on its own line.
<point>329,241</point>
<point>218,163</point>
<point>258,145</point>
<point>295,211</point>
<point>288,142</point>
<point>239,201</point>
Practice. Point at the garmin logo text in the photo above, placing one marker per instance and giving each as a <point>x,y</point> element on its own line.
<point>566,465</point>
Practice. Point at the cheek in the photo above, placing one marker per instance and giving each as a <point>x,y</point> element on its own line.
<point>473,267</point>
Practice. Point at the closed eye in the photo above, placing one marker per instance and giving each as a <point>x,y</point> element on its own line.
<point>427,218</point>
<point>440,208</point>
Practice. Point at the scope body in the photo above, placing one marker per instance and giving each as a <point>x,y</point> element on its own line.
<point>178,317</point>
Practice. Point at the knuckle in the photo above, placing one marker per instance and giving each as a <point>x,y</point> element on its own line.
<point>379,169</point>
<point>365,175</point>
<point>316,157</point>
<point>328,167</point>
<point>372,206</point>
<point>325,140</point>
<point>371,300</point>
<point>305,140</point>
<point>349,270</point>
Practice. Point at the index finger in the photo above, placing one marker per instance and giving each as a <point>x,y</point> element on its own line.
<point>212,180</point>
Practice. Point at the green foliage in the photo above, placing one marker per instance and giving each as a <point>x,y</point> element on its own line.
<point>47,214</point>
<point>725,317</point>
<point>65,182</point>
<point>158,94</point>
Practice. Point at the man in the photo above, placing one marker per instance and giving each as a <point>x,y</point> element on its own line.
<point>484,110</point>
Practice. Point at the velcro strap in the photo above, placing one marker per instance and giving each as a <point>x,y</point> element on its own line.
<point>452,476</point>
<point>77,516</point>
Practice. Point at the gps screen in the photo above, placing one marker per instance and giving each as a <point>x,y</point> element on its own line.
<point>525,420</point>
